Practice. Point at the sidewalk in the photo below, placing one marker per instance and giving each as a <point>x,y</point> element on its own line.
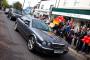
<point>77,54</point>
<point>87,56</point>
<point>1,11</point>
<point>80,54</point>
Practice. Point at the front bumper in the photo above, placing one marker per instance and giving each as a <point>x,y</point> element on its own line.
<point>50,51</point>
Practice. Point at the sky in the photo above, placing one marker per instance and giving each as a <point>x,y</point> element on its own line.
<point>27,2</point>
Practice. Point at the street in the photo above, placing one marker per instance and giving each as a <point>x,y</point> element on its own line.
<point>13,45</point>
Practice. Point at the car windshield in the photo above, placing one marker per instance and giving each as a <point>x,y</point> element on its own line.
<point>40,25</point>
<point>17,12</point>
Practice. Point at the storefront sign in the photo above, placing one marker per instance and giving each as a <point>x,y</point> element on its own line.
<point>72,15</point>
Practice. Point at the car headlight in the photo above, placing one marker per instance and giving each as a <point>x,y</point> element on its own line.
<point>66,46</point>
<point>44,43</point>
<point>49,44</point>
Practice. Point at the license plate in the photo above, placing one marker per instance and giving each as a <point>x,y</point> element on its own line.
<point>58,51</point>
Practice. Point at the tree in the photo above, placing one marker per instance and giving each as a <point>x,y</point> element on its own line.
<point>17,5</point>
<point>5,4</point>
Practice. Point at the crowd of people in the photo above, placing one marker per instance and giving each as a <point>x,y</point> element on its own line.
<point>80,38</point>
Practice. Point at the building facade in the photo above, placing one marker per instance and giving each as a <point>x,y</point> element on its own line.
<point>79,10</point>
<point>75,4</point>
<point>73,8</point>
<point>44,7</point>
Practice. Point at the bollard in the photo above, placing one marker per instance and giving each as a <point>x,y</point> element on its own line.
<point>83,47</point>
<point>77,43</point>
<point>72,44</point>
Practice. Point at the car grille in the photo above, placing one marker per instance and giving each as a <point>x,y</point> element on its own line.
<point>58,46</point>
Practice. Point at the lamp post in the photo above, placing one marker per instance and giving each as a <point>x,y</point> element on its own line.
<point>29,3</point>
<point>23,6</point>
<point>23,3</point>
<point>58,3</point>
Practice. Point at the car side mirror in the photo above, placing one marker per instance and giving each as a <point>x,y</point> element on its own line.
<point>27,22</point>
<point>20,18</point>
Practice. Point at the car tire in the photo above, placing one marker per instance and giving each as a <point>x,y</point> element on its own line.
<point>31,43</point>
<point>8,16</point>
<point>15,28</point>
<point>11,18</point>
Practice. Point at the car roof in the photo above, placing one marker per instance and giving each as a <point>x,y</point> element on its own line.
<point>29,17</point>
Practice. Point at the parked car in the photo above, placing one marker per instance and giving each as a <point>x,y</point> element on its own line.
<point>14,14</point>
<point>6,10</point>
<point>39,36</point>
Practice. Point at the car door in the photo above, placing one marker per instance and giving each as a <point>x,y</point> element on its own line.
<point>23,26</point>
<point>26,29</point>
<point>20,23</point>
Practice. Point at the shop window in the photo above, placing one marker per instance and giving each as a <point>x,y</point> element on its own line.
<point>68,3</point>
<point>76,3</point>
<point>51,6</point>
<point>64,3</point>
<point>89,3</point>
<point>42,6</point>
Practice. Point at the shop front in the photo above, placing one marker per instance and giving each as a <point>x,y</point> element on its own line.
<point>80,16</point>
<point>76,26</point>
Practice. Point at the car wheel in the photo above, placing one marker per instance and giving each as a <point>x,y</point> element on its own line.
<point>8,16</point>
<point>11,18</point>
<point>15,28</point>
<point>31,43</point>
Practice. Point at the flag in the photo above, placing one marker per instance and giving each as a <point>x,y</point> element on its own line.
<point>58,19</point>
<point>86,39</point>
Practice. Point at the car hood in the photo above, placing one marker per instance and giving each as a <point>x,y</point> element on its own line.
<point>15,14</point>
<point>48,36</point>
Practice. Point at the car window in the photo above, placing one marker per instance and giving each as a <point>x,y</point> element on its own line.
<point>17,11</point>
<point>27,22</point>
<point>24,18</point>
<point>40,25</point>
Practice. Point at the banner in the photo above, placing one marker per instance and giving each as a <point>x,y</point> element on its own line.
<point>58,19</point>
